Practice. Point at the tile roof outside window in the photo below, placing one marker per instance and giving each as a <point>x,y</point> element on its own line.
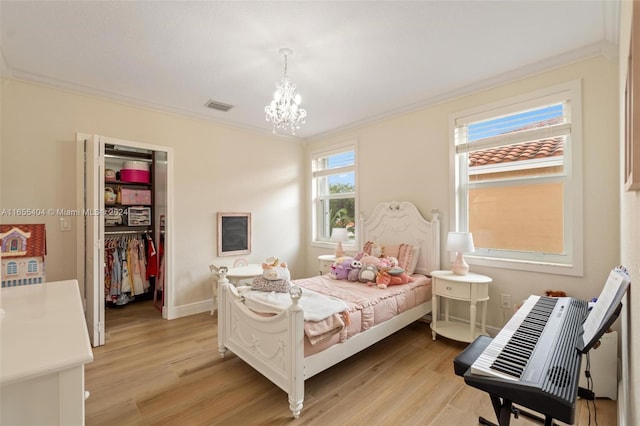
<point>518,152</point>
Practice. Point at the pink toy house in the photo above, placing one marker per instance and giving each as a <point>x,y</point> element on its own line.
<point>23,250</point>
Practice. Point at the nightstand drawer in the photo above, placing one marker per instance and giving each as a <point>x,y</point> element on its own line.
<point>325,262</point>
<point>454,290</point>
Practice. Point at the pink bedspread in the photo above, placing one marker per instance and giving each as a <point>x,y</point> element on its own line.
<point>368,305</point>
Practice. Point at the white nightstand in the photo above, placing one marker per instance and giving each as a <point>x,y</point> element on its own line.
<point>470,288</point>
<point>324,263</point>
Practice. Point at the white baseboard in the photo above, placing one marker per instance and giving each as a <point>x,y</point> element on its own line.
<point>189,309</point>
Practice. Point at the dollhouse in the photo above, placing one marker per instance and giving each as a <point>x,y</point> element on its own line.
<point>23,250</point>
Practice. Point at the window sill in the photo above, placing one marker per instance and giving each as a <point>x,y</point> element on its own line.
<point>526,265</point>
<point>331,245</point>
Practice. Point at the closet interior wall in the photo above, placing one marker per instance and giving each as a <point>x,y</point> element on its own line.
<point>135,204</point>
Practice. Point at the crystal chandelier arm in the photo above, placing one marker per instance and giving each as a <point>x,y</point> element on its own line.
<point>284,110</point>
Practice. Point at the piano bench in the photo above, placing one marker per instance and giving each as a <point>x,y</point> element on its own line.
<point>467,357</point>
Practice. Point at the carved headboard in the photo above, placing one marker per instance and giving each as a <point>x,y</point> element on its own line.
<point>400,222</point>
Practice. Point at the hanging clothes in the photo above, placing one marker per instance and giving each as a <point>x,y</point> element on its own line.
<point>126,267</point>
<point>116,273</point>
<point>136,271</point>
<point>160,280</point>
<point>152,259</point>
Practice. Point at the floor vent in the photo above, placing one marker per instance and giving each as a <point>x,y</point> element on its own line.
<point>218,105</point>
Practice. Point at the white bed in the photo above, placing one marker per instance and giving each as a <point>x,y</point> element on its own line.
<point>274,345</point>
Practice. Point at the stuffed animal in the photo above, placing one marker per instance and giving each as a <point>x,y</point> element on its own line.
<point>340,269</point>
<point>556,293</point>
<point>354,273</point>
<point>387,262</point>
<point>370,260</point>
<point>376,250</point>
<point>373,249</point>
<point>276,272</point>
<point>367,274</point>
<point>384,279</point>
<point>396,270</point>
<point>275,277</point>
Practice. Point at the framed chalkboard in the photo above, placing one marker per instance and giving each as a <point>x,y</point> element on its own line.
<point>234,233</point>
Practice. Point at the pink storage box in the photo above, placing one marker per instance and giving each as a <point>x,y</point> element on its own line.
<point>136,176</point>
<point>130,197</point>
<point>135,171</point>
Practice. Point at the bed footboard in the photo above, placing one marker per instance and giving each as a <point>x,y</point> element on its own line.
<point>273,345</point>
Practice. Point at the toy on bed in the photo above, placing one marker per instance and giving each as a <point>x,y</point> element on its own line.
<point>367,274</point>
<point>392,276</point>
<point>372,249</point>
<point>369,260</point>
<point>340,268</point>
<point>275,277</point>
<point>354,273</point>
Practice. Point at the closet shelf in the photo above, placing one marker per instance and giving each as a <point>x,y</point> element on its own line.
<point>123,229</point>
<point>119,182</point>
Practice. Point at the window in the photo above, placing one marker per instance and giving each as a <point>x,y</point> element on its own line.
<point>518,181</point>
<point>12,268</point>
<point>32,267</point>
<point>334,192</point>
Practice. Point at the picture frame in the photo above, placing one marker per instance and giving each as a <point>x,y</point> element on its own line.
<point>631,130</point>
<point>234,233</point>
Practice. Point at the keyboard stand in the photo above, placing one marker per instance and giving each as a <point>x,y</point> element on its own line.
<point>505,408</point>
<point>502,407</point>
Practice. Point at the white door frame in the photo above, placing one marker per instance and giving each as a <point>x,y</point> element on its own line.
<point>94,308</point>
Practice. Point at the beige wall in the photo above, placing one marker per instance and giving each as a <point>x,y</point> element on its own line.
<point>629,399</point>
<point>216,168</point>
<point>407,158</point>
<point>219,168</point>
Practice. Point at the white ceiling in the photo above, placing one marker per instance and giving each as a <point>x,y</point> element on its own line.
<point>353,61</point>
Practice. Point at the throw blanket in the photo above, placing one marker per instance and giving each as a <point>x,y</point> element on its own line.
<point>324,315</point>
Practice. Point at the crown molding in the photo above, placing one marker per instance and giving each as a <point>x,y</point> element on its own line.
<point>606,48</point>
<point>602,48</point>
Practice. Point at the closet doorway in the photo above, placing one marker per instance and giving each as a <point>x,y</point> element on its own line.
<point>124,194</point>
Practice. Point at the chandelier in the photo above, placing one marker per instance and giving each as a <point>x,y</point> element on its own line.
<point>284,110</point>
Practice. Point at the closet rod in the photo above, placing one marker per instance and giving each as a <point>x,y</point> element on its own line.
<point>146,231</point>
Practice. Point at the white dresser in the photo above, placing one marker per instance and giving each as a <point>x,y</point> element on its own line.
<point>44,345</point>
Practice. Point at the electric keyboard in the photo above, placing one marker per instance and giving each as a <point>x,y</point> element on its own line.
<point>533,360</point>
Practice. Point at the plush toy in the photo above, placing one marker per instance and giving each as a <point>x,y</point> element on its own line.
<point>384,279</point>
<point>370,260</point>
<point>276,272</point>
<point>354,273</point>
<point>373,249</point>
<point>387,262</point>
<point>396,270</point>
<point>367,274</point>
<point>275,277</point>
<point>376,250</point>
<point>556,293</point>
<point>340,269</point>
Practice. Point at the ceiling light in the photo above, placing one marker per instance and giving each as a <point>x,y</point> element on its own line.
<point>284,110</point>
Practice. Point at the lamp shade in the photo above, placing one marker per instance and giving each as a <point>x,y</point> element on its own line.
<point>460,241</point>
<point>339,234</point>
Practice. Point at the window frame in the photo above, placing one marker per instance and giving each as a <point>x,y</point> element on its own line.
<point>315,201</point>
<point>12,268</point>
<point>32,267</point>
<point>573,191</point>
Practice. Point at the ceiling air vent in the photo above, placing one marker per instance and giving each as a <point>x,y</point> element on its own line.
<point>218,105</point>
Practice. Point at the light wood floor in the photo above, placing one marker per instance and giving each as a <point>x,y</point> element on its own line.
<point>157,372</point>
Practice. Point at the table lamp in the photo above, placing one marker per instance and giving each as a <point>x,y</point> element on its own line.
<point>460,242</point>
<point>339,235</point>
